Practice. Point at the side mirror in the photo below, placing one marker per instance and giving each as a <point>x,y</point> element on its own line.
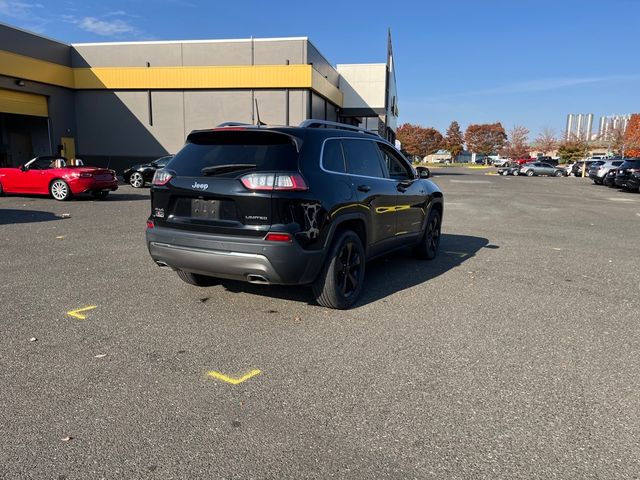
<point>423,172</point>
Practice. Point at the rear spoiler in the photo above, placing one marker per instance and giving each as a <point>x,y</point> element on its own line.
<point>240,127</point>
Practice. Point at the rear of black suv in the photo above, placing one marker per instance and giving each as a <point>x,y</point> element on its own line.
<point>260,205</point>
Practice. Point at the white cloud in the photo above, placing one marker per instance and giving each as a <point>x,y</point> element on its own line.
<point>13,9</point>
<point>107,28</point>
<point>538,85</point>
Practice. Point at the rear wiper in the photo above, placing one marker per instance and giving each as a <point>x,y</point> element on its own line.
<point>216,169</point>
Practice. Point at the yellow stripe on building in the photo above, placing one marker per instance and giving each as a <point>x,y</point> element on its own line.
<point>28,68</point>
<point>169,78</point>
<point>23,103</point>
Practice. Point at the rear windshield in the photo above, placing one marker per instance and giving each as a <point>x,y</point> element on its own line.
<point>264,151</point>
<point>630,164</point>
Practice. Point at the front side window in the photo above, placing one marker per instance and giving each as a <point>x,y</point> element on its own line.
<point>396,167</point>
<point>362,157</point>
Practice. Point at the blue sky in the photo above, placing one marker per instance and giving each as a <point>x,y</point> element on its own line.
<point>520,62</point>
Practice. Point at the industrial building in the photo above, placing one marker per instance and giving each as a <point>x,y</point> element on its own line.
<point>579,126</point>
<point>610,124</point>
<point>115,104</point>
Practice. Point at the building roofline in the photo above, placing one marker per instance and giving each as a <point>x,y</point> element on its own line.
<point>170,42</point>
<point>360,64</point>
<point>35,34</point>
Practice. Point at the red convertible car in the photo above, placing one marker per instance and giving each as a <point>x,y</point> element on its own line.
<point>58,177</point>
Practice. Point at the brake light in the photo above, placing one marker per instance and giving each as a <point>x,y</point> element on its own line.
<point>150,224</point>
<point>161,177</point>
<point>278,237</point>
<point>274,181</point>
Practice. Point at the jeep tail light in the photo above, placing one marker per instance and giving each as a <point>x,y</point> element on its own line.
<point>161,177</point>
<point>278,237</point>
<point>274,181</point>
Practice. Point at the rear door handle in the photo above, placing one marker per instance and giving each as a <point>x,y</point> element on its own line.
<point>364,188</point>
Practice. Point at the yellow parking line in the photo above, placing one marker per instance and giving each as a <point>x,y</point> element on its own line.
<point>232,380</point>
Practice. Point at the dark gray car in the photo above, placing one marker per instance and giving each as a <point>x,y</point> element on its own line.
<point>541,168</point>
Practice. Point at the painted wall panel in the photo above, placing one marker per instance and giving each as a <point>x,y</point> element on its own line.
<point>206,109</point>
<point>131,55</point>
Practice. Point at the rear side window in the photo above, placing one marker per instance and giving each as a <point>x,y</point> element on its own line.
<point>263,151</point>
<point>362,158</point>
<point>332,157</point>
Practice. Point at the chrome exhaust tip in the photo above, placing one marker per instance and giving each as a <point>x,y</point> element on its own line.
<point>259,279</point>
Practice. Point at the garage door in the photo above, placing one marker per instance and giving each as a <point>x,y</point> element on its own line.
<point>23,103</point>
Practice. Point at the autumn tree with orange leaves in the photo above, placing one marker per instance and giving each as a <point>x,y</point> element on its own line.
<point>632,137</point>
<point>485,139</point>
<point>419,141</point>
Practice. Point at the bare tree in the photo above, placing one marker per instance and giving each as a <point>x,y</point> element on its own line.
<point>546,141</point>
<point>517,145</point>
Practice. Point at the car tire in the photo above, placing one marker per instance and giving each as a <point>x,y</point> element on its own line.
<point>196,279</point>
<point>100,194</point>
<point>530,173</point>
<point>427,249</point>
<point>136,180</point>
<point>60,190</point>
<point>558,173</point>
<point>340,281</point>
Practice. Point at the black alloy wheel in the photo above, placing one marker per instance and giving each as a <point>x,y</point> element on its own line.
<point>339,284</point>
<point>428,247</point>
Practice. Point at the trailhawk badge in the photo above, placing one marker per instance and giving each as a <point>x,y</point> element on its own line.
<point>201,186</point>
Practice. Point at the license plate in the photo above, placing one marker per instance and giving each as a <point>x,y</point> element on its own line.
<point>103,178</point>
<point>201,208</point>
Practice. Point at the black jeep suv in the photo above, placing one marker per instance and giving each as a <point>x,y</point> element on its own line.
<point>307,205</point>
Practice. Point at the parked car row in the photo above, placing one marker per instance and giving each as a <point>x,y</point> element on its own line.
<point>624,175</point>
<point>61,178</point>
<point>531,169</point>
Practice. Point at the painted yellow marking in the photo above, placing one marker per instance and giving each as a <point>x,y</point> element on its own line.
<point>60,237</point>
<point>232,380</point>
<point>492,173</point>
<point>479,166</point>
<point>458,254</point>
<point>77,312</point>
<point>556,248</point>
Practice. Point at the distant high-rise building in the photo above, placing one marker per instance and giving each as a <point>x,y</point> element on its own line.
<point>611,123</point>
<point>579,126</point>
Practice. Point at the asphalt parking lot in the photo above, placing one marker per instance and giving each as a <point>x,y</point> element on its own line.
<point>514,354</point>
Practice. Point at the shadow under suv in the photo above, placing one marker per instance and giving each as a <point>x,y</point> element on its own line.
<point>307,205</point>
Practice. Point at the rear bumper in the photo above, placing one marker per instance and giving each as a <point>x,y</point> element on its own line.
<point>88,185</point>
<point>232,257</point>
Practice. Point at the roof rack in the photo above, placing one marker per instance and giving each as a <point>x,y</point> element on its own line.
<point>312,123</point>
